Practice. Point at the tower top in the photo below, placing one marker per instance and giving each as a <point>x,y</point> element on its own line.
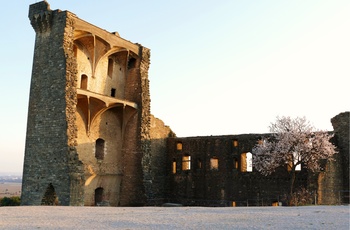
<point>38,8</point>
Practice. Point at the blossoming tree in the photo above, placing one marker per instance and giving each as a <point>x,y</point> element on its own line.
<point>294,143</point>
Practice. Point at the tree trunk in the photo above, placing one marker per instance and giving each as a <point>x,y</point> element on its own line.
<point>292,182</point>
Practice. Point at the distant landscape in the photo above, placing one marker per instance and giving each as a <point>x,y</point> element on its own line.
<point>10,184</point>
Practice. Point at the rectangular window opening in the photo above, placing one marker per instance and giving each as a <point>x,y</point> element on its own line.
<point>110,67</point>
<point>174,166</point>
<point>186,162</point>
<point>113,90</point>
<point>214,163</point>
<point>235,143</point>
<point>178,146</point>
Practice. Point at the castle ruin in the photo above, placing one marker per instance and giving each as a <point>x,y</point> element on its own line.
<point>91,139</point>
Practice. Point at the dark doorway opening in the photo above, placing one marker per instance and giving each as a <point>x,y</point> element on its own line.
<point>50,197</point>
<point>98,196</point>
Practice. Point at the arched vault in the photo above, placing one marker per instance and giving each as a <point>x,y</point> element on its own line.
<point>93,105</point>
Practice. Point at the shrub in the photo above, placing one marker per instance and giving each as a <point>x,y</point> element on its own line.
<point>10,201</point>
<point>301,197</point>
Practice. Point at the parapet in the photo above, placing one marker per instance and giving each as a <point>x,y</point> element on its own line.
<point>40,16</point>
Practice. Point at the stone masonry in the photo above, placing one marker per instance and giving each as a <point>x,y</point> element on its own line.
<point>88,140</point>
<point>91,139</point>
<point>212,171</point>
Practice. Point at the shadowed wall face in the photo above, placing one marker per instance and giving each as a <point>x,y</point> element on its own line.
<point>50,127</point>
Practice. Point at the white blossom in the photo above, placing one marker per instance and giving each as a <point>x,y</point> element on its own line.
<point>293,142</point>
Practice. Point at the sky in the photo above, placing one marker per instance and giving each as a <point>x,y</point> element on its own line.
<point>217,67</point>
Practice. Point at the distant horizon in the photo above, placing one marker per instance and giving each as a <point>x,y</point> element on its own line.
<point>13,173</point>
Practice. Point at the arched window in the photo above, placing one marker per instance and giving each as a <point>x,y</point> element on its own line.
<point>84,82</point>
<point>186,162</point>
<point>100,149</point>
<point>98,195</point>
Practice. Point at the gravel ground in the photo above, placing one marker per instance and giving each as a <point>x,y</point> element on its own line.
<point>44,217</point>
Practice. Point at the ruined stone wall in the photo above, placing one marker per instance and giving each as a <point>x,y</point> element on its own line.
<point>143,162</point>
<point>136,149</point>
<point>204,185</point>
<point>341,125</point>
<point>50,155</point>
<point>159,133</point>
<point>145,122</point>
<point>333,182</point>
<point>217,175</point>
<point>75,166</point>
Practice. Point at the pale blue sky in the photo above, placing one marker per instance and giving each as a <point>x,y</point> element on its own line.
<point>217,67</point>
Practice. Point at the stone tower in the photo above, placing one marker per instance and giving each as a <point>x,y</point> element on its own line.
<point>87,140</point>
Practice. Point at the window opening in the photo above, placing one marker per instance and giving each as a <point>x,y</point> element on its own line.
<point>174,166</point>
<point>214,163</point>
<point>246,162</point>
<point>75,50</point>
<point>235,163</point>
<point>186,162</point>
<point>249,162</point>
<point>99,149</point>
<point>293,159</point>
<point>131,63</point>
<point>199,163</point>
<point>110,67</point>
<point>98,196</point>
<point>50,197</point>
<point>113,92</point>
<point>84,82</point>
<point>179,146</point>
<point>235,143</point>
